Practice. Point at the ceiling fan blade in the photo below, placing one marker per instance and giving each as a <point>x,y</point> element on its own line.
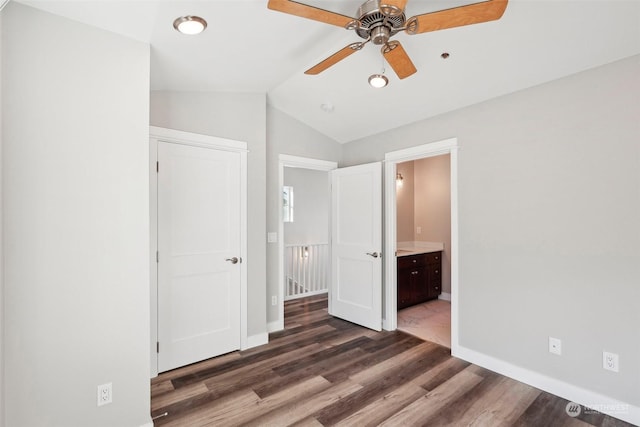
<point>310,12</point>
<point>333,59</point>
<point>397,57</point>
<point>485,11</point>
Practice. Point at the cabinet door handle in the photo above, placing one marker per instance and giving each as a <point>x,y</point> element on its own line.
<point>414,272</point>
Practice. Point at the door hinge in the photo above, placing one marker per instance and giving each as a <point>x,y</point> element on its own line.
<point>157,346</point>
<point>157,167</point>
<point>157,256</point>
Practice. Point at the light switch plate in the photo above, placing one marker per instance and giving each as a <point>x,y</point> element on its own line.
<point>272,237</point>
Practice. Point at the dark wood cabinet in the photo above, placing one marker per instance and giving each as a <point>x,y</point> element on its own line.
<point>419,278</point>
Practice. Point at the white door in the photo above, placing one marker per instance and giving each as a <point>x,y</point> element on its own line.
<point>356,245</point>
<point>199,214</point>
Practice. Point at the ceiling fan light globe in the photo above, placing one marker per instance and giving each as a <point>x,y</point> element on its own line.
<point>378,80</point>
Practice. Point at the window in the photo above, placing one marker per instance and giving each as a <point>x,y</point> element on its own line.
<point>287,203</point>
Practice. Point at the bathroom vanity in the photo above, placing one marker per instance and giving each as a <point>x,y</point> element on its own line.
<point>419,275</point>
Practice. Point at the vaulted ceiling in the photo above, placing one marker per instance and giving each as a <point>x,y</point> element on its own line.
<point>249,48</point>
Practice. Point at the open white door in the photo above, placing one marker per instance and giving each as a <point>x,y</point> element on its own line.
<point>356,245</point>
<point>199,243</point>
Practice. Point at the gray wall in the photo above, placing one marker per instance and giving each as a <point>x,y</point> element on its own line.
<point>240,117</point>
<point>286,135</point>
<point>311,206</point>
<point>549,202</point>
<point>76,220</point>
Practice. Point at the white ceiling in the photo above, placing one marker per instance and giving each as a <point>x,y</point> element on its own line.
<point>248,48</point>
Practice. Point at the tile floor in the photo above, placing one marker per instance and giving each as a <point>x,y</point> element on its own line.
<point>430,321</point>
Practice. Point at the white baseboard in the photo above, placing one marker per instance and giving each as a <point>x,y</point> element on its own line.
<point>256,340</point>
<point>587,398</point>
<point>445,296</point>
<point>275,326</point>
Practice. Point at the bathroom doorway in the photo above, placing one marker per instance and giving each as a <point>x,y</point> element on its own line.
<point>423,250</point>
<point>394,223</point>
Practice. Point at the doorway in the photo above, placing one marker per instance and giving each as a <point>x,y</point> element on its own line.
<point>298,272</point>
<point>392,160</point>
<point>306,210</point>
<point>423,200</point>
<point>354,289</point>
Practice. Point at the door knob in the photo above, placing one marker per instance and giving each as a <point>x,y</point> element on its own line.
<point>233,260</point>
<point>374,254</point>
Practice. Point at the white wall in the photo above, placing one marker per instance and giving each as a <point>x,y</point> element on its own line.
<point>76,220</point>
<point>234,116</point>
<point>549,201</point>
<point>286,135</point>
<point>311,206</point>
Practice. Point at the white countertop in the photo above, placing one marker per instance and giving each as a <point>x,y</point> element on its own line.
<point>423,248</point>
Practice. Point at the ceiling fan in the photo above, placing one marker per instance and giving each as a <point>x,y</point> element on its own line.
<point>379,20</point>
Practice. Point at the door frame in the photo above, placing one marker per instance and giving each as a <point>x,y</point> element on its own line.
<point>447,146</point>
<point>288,161</point>
<point>158,134</point>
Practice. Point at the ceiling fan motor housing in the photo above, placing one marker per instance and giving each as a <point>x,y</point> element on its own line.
<point>377,25</point>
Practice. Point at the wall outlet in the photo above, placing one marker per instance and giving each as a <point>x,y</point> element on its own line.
<point>555,346</point>
<point>105,394</point>
<point>610,361</point>
<point>419,230</point>
<point>274,300</point>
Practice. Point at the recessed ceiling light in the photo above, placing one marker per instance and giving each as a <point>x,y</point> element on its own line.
<point>190,24</point>
<point>378,80</point>
<point>327,107</point>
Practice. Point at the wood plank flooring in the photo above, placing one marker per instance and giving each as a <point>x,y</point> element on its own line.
<point>322,371</point>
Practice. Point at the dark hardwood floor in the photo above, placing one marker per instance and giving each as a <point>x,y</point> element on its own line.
<point>325,371</point>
